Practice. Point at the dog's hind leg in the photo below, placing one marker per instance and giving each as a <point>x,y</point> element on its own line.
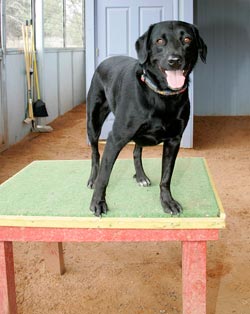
<point>96,115</point>
<point>140,175</point>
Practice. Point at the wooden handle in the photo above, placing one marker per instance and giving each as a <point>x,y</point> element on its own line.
<point>28,63</point>
<point>35,65</point>
<point>26,57</point>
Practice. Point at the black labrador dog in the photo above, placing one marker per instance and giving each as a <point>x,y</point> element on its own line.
<point>149,99</point>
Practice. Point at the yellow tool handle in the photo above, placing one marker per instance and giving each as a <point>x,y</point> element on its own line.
<point>24,32</point>
<point>35,65</point>
<point>28,60</point>
<point>30,109</point>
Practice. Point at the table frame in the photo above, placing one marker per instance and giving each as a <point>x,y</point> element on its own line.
<point>193,256</point>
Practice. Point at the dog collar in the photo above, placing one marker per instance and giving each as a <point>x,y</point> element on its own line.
<point>166,92</point>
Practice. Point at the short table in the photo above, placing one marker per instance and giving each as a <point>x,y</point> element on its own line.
<point>48,201</point>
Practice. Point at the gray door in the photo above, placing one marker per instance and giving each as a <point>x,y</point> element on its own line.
<point>119,23</point>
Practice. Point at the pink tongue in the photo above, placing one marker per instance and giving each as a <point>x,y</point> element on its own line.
<point>175,79</point>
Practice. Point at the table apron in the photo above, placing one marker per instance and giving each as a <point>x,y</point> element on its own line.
<point>20,234</point>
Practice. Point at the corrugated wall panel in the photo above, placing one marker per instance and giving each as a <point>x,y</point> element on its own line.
<point>62,82</point>
<point>79,85</point>
<point>16,97</point>
<point>51,85</point>
<point>221,87</point>
<point>65,82</point>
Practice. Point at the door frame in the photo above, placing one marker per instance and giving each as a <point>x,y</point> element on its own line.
<point>90,40</point>
<point>183,10</point>
<point>3,97</point>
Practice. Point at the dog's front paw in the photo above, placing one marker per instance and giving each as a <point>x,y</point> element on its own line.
<point>172,207</point>
<point>169,205</point>
<point>99,207</point>
<point>142,180</point>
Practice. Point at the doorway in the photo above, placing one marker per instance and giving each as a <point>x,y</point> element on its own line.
<point>105,19</point>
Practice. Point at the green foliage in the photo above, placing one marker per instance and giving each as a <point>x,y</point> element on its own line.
<point>63,27</point>
<point>53,23</point>
<point>54,15</point>
<point>17,12</point>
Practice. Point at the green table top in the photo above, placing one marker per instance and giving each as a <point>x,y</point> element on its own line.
<point>54,194</point>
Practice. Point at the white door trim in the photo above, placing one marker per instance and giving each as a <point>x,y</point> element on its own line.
<point>3,97</point>
<point>90,40</point>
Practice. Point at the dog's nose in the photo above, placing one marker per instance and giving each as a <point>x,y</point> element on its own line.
<point>175,61</point>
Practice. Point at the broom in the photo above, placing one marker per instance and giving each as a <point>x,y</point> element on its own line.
<point>39,107</point>
<point>30,62</point>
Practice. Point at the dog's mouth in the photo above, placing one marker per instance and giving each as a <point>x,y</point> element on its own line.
<point>175,78</point>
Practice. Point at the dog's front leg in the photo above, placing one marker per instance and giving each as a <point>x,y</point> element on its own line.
<point>140,175</point>
<point>112,149</point>
<point>170,151</point>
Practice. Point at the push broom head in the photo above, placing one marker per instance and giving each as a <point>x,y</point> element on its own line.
<point>39,109</point>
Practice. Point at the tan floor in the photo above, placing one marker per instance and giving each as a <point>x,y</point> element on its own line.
<point>145,277</point>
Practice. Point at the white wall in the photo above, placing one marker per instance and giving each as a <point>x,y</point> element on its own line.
<point>15,97</point>
<point>63,87</point>
<point>221,87</point>
<point>64,81</point>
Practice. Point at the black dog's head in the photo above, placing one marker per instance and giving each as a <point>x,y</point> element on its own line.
<point>170,49</point>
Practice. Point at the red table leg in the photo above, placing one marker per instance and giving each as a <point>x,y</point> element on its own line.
<point>7,280</point>
<point>194,277</point>
<point>53,254</point>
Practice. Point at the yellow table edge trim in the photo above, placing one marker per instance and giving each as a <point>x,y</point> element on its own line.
<point>218,200</point>
<point>113,223</point>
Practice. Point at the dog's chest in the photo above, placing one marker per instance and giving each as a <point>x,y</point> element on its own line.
<point>156,131</point>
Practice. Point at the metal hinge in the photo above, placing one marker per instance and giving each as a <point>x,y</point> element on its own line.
<point>97,52</point>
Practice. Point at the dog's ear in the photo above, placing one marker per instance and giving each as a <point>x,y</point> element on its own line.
<point>202,47</point>
<point>142,45</point>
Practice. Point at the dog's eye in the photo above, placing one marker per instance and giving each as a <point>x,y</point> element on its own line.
<point>187,40</point>
<point>160,42</point>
